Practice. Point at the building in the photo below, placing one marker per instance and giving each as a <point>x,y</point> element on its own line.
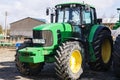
<point>109,22</point>
<point>23,27</point>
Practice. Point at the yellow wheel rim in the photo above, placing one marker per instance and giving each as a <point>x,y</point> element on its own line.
<point>33,65</point>
<point>106,51</point>
<point>75,61</point>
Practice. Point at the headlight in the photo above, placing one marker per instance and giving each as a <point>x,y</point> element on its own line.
<point>39,41</point>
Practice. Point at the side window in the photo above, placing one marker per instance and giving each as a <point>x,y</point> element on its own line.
<point>60,16</point>
<point>86,17</point>
<point>76,17</point>
<point>66,17</point>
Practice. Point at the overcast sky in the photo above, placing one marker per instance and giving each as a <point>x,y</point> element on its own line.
<point>19,9</point>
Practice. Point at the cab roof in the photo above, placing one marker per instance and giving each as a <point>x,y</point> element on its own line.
<point>76,3</point>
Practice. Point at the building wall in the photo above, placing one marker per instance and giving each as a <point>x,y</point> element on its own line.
<point>24,27</point>
<point>110,25</point>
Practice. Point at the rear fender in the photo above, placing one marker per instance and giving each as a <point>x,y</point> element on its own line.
<point>99,29</point>
<point>92,36</point>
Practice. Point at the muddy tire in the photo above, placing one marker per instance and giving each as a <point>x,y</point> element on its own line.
<point>116,57</point>
<point>69,60</point>
<point>27,68</point>
<point>102,47</point>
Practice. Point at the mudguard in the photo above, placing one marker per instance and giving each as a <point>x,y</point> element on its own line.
<point>92,36</point>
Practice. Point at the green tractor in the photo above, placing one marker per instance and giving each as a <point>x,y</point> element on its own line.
<point>116,47</point>
<point>116,56</point>
<point>73,38</point>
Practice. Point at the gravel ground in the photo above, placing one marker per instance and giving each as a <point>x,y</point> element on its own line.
<point>8,70</point>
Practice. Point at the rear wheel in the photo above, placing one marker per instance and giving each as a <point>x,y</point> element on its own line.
<point>27,68</point>
<point>69,60</point>
<point>116,57</point>
<point>103,51</point>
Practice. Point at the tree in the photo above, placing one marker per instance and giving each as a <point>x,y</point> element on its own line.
<point>8,31</point>
<point>1,29</point>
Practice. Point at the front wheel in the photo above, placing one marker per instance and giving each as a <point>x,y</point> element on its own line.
<point>69,60</point>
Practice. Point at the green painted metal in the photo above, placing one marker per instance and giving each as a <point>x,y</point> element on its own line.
<point>38,54</point>
<point>90,39</point>
<point>92,32</point>
<point>31,55</point>
<point>62,4</point>
<point>117,25</point>
<point>64,28</point>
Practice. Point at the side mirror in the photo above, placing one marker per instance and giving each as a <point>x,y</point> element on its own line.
<point>99,21</point>
<point>52,18</point>
<point>51,12</point>
<point>47,11</point>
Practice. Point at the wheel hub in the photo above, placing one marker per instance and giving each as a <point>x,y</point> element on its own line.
<point>106,51</point>
<point>75,61</point>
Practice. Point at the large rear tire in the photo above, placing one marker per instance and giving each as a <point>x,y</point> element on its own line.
<point>102,46</point>
<point>69,60</point>
<point>27,68</point>
<point>116,57</point>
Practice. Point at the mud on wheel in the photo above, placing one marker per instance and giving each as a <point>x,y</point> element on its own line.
<point>27,68</point>
<point>116,57</point>
<point>69,60</point>
<point>102,46</point>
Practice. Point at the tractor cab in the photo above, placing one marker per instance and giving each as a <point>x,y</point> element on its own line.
<point>74,13</point>
<point>80,16</point>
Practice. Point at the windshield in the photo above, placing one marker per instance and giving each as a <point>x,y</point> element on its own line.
<point>69,15</point>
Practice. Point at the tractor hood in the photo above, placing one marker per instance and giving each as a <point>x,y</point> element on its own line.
<point>53,33</point>
<point>54,27</point>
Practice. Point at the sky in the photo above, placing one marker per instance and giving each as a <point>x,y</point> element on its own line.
<point>19,9</point>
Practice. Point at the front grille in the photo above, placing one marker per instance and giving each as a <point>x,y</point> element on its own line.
<point>45,34</point>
